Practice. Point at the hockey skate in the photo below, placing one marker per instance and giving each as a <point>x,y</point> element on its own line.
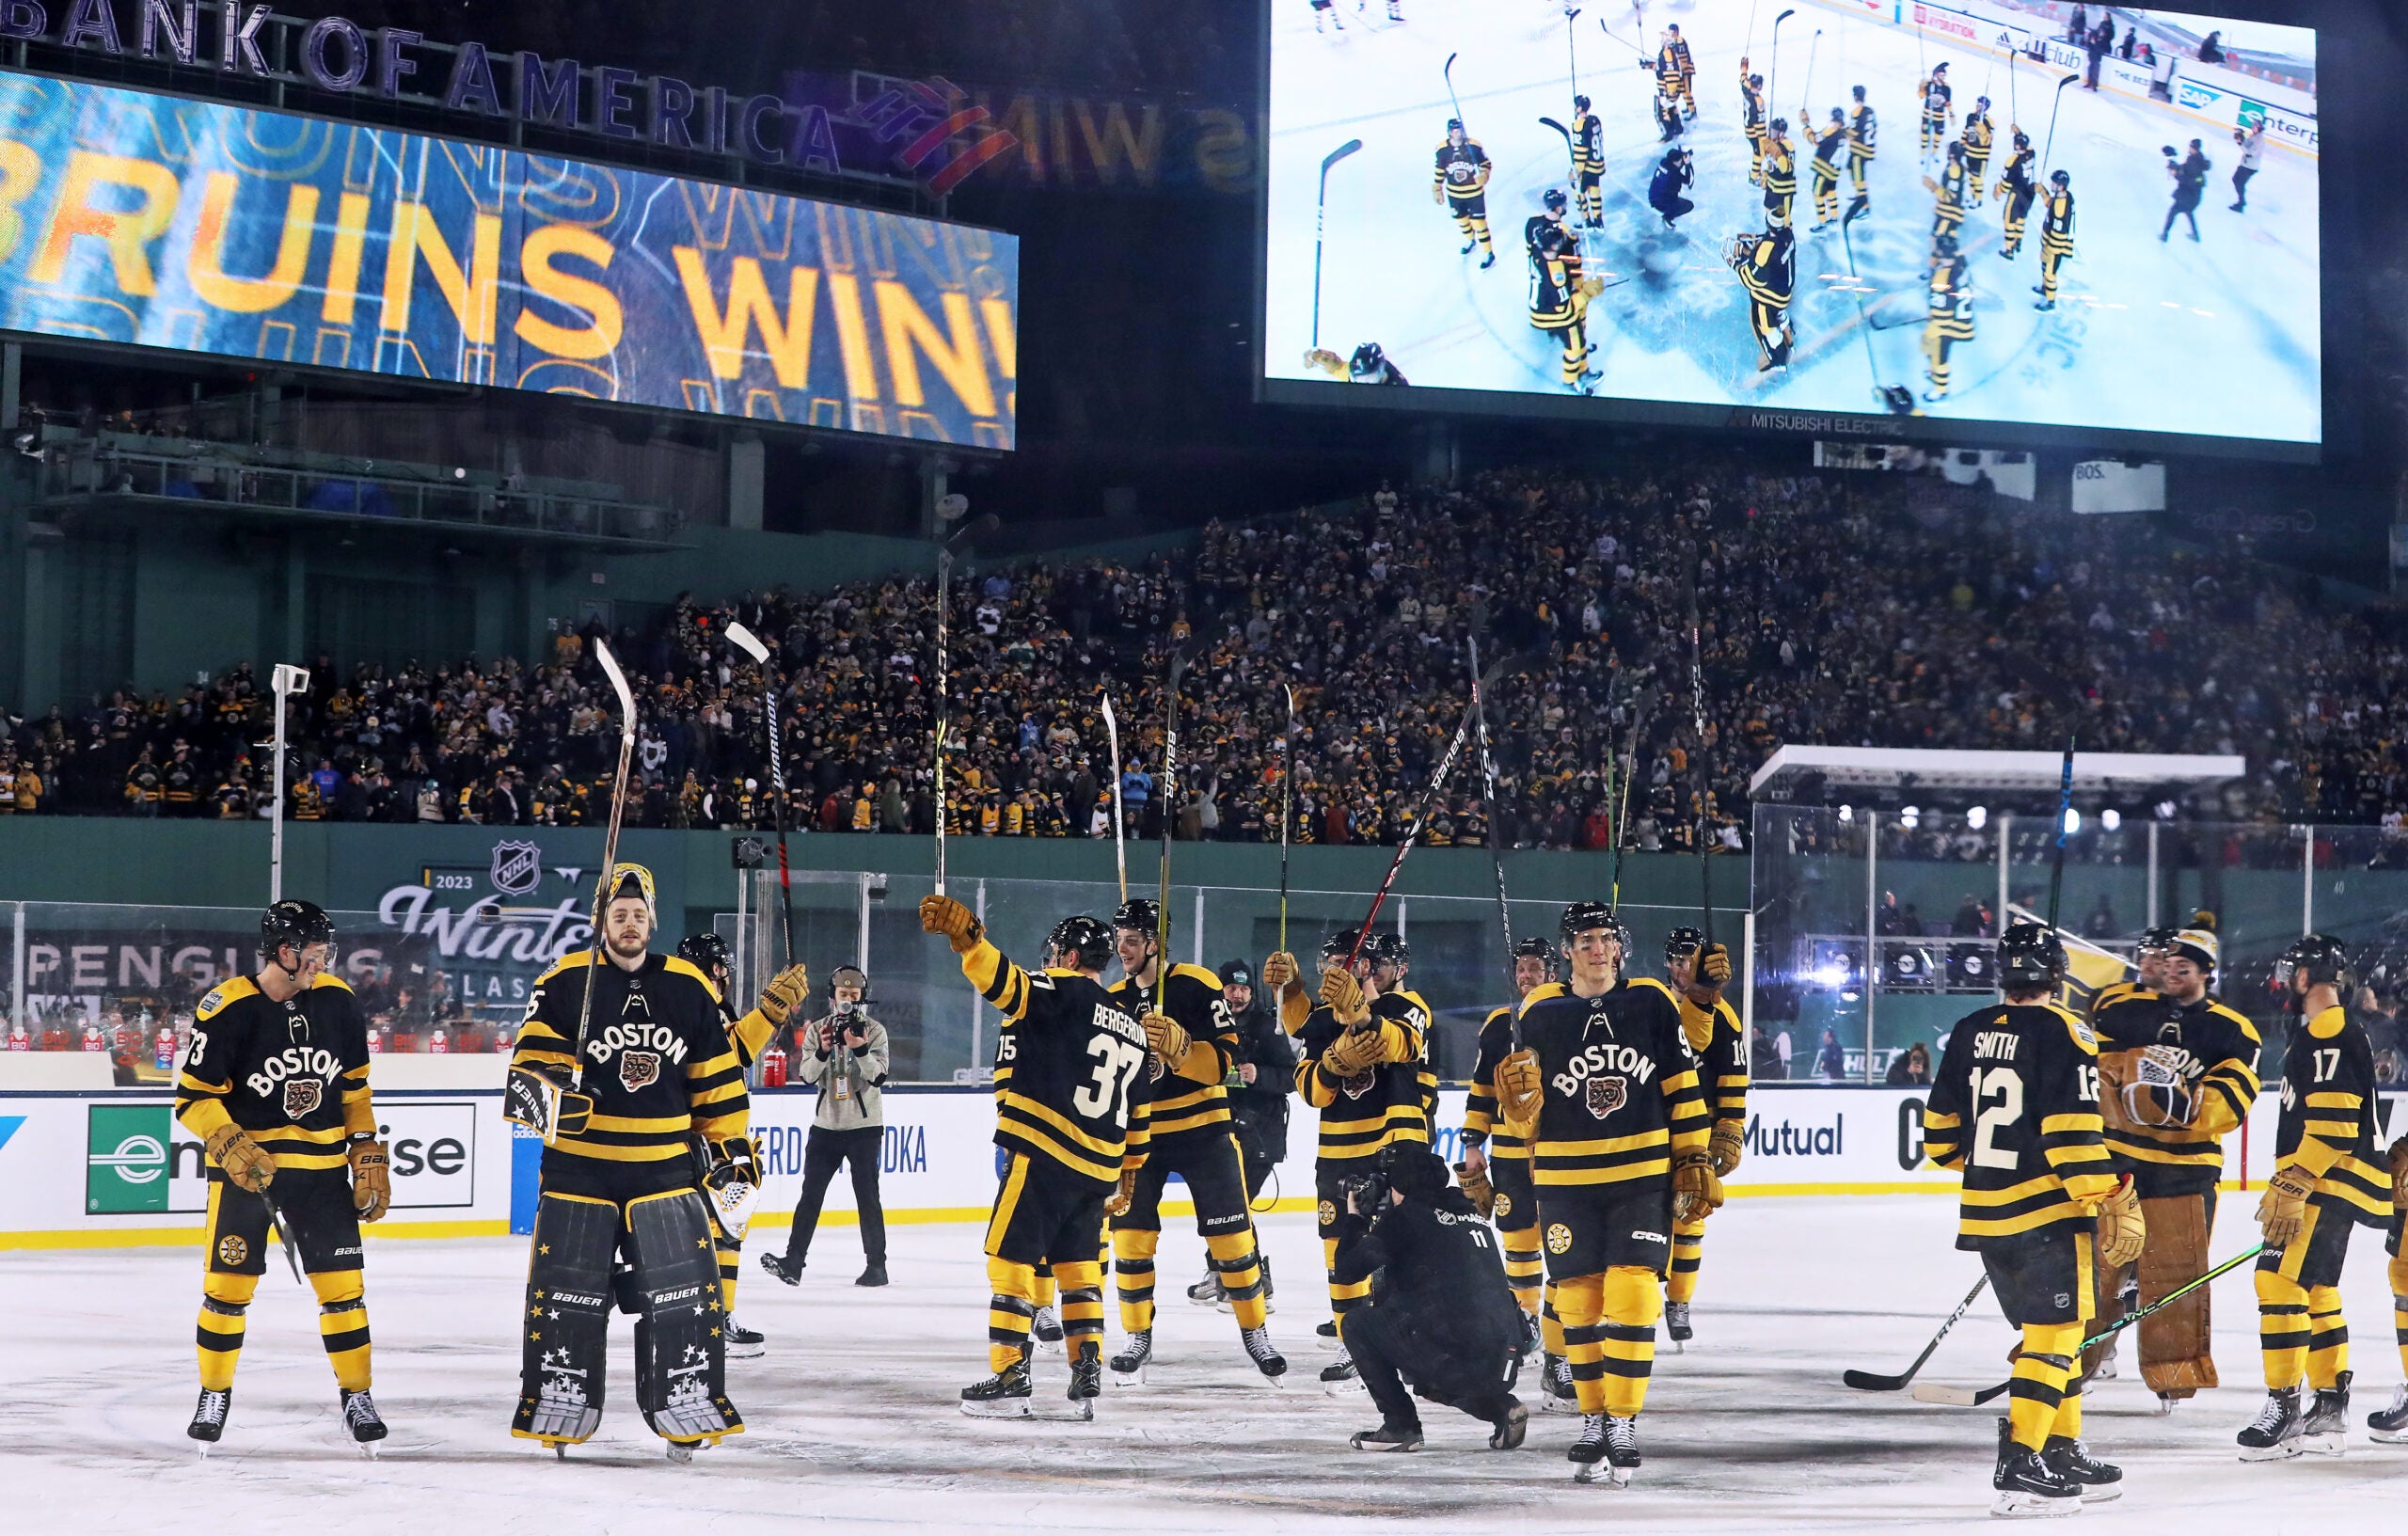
<point>1607,1453</point>
<point>1208,1291</point>
<point>2390,1425</point>
<point>359,1418</point>
<point>1533,1337</point>
<point>1087,1380</point>
<point>1389,1438</point>
<point>1129,1366</point>
<point>1487,261</point>
<point>1676,1314</point>
<point>787,1270</point>
<point>1556,1395</point>
<point>744,1343</point>
<point>1045,1329</point>
<point>2071,1460</point>
<point>2030,1488</point>
<point>2273,1434</point>
<point>2324,1428</point>
<point>1003,1395</point>
<point>1341,1376</point>
<point>1326,1334</point>
<point>208,1416</point>
<point>1266,1356</point>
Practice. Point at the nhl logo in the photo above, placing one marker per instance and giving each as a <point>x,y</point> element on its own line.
<point>1608,1094</point>
<point>301,1096</point>
<point>639,1069</point>
<point>517,868</point>
<point>232,1250</point>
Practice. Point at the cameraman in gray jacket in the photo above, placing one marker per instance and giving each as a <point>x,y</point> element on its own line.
<point>845,1055</point>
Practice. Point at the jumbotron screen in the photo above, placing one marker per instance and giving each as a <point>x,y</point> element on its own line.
<point>1732,213</point>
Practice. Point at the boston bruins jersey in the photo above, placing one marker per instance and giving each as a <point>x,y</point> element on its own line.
<point>1408,1009</point>
<point>1863,132</point>
<point>1361,1113</point>
<point>1622,1096</point>
<point>1180,1101</point>
<point>2114,993</point>
<point>2214,1049</point>
<point>2057,221</point>
<point>1483,1124</point>
<point>1936,99</point>
<point>1721,1046</point>
<point>1951,301</point>
<point>1587,145</point>
<point>658,1066</point>
<point>292,1074</point>
<point>1070,1064</point>
<point>1555,271</point>
<point>2329,1123</point>
<point>1462,169</point>
<point>1828,141</point>
<point>2015,1107</point>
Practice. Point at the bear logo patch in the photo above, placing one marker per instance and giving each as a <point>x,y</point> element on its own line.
<point>232,1250</point>
<point>1559,1239</point>
<point>301,1096</point>
<point>1608,1094</point>
<point>639,1069</point>
<point>1360,1084</point>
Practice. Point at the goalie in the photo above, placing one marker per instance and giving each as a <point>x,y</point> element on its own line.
<point>2177,1070</point>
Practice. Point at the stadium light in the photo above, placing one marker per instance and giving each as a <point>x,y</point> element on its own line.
<point>2073,821</point>
<point>1910,816</point>
<point>2111,818</point>
<point>1848,814</point>
<point>1978,818</point>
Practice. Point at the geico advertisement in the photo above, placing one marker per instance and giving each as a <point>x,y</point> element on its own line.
<point>166,222</point>
<point>139,1160</point>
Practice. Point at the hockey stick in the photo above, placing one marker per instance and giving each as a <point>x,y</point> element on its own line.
<point>284,1236</point>
<point>1629,774</point>
<point>2057,867</point>
<point>1865,1381</point>
<point>1321,218</point>
<point>1496,852</point>
<point>1772,76</point>
<point>959,504</point>
<point>1806,97</point>
<point>1287,818</point>
<point>1572,46</point>
<point>1697,762</point>
<point>752,645</point>
<point>1119,845</point>
<point>1967,1397</point>
<point>609,853</point>
<point>1560,129</point>
<point>1450,72</point>
<point>2058,101</point>
<point>1751,28</point>
<point>1168,796</point>
<point>1643,59</point>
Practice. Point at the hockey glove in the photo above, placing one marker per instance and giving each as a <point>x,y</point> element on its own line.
<point>1117,1203</point>
<point>1356,1050</point>
<point>785,993</point>
<point>371,1180</point>
<point>1695,1192</point>
<point>2400,1176</point>
<point>1520,1090</point>
<point>232,1149</point>
<point>1344,996</point>
<point>1477,1189</point>
<point>1725,1145</point>
<point>2284,1210</point>
<point>1164,1038</point>
<point>958,923</point>
<point>1714,966</point>
<point>1280,969</point>
<point>732,1183</point>
<point>2121,1231</point>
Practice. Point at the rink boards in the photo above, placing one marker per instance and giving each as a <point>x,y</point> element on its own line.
<point>106,1169</point>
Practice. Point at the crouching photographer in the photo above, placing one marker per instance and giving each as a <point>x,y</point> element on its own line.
<point>1442,1315</point>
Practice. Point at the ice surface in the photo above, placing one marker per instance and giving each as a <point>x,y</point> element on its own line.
<point>853,1424</point>
<point>2218,338</point>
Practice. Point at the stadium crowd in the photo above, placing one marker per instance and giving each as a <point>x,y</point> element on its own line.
<point>1830,609</point>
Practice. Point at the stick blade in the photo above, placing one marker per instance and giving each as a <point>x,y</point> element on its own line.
<point>1864,1381</point>
<point>619,684</point>
<point>749,642</point>
<point>1947,1396</point>
<point>1334,156</point>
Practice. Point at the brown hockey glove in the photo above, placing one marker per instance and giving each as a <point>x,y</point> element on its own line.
<point>2121,1230</point>
<point>232,1149</point>
<point>2400,1174</point>
<point>1343,995</point>
<point>371,1180</point>
<point>1164,1038</point>
<point>1695,1192</point>
<point>2284,1210</point>
<point>1729,1139</point>
<point>785,993</point>
<point>958,923</point>
<point>1590,288</point>
<point>1477,1189</point>
<point>1714,966</point>
<point>1278,969</point>
<point>1356,1050</point>
<point>1328,361</point>
<point>1520,1088</point>
<point>1117,1203</point>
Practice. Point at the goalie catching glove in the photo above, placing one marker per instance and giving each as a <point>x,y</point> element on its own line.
<point>1520,1090</point>
<point>2122,1233</point>
<point>958,923</point>
<point>732,1182</point>
<point>1344,996</point>
<point>785,993</point>
<point>2284,1210</point>
<point>372,1178</point>
<point>1695,1192</point>
<point>246,1162</point>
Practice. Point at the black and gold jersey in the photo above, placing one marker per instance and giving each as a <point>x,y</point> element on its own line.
<point>658,1064</point>
<point>1483,1124</point>
<point>1767,269</point>
<point>1950,300</point>
<point>1183,1100</point>
<point>2215,1050</point>
<point>1781,167</point>
<point>1951,188</point>
<point>1587,145</point>
<point>2015,1107</point>
<point>292,1074</point>
<point>1721,1046</point>
<point>1068,1066</point>
<point>1937,98</point>
<point>1555,270</point>
<point>2117,993</point>
<point>2014,181</point>
<point>1977,134</point>
<point>1864,132</point>
<point>1410,1012</point>
<point>1828,141</point>
<point>1462,169</point>
<point>2329,1124</point>
<point>1361,1113</point>
<point>1751,108</point>
<point>2057,221</point>
<point>1621,1091</point>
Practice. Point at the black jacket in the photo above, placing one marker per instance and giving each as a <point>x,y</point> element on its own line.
<point>1440,1264</point>
<point>1261,1108</point>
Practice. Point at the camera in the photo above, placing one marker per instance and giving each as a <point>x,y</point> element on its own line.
<point>1368,1193</point>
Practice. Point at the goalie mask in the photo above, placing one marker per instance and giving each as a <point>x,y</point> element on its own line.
<point>626,880</point>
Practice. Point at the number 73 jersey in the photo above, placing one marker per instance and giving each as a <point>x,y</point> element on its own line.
<point>1074,1056</point>
<point>2015,1106</point>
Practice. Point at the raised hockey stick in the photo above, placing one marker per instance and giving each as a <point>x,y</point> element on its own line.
<point>1119,844</point>
<point>951,506</point>
<point>1967,1397</point>
<point>1643,59</point>
<point>1450,72</point>
<point>1773,77</point>
<point>1865,1381</point>
<point>2057,865</point>
<point>1697,763</point>
<point>1488,802</point>
<point>1169,796</point>
<point>1751,46</point>
<point>1287,817</point>
<point>751,644</point>
<point>609,852</point>
<point>1806,97</point>
<point>1621,822</point>
<point>1572,46</point>
<point>2057,102</point>
<point>1320,217</point>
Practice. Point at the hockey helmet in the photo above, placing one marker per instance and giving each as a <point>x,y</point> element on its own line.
<point>1555,199</point>
<point>2022,139</point>
<point>1144,915</point>
<point>1940,68</point>
<point>1757,81</point>
<point>1454,126</point>
<point>1581,916</point>
<point>1080,942</point>
<point>1858,91</point>
<point>2030,955</point>
<point>1387,949</point>
<point>1944,247</point>
<point>1368,359</point>
<point>1580,104</point>
<point>1337,950</point>
<point>297,923</point>
<point>1533,948</point>
<point>2157,941</point>
<point>1779,126</point>
<point>1981,100</point>
<point>1682,943</point>
<point>2320,957</point>
<point>705,952</point>
<point>2060,179</point>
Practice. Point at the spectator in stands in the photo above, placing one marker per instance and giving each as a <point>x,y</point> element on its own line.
<point>1830,1062</point>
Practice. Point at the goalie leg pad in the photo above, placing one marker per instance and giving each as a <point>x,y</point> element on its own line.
<point>681,1357</point>
<point>2175,1358</point>
<point>566,1321</point>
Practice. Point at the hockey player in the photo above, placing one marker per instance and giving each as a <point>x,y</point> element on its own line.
<point>1589,163</point>
<point>1863,141</point>
<point>1669,122</point>
<point>1767,268</point>
<point>1460,181</point>
<point>1829,146</point>
<point>2390,1425</point>
<point>2056,236</point>
<point>2177,1070</point>
<point>1938,110</point>
<point>1751,120</point>
<point>1948,214</point>
<point>1607,1084</point>
<point>275,1083</point>
<point>1949,318</point>
<point>2016,191</point>
<point>1496,1169</point>
<point>2015,1106</point>
<point>1181,1124</point>
<point>1558,293</point>
<point>623,1063</point>
<point>1697,973</point>
<point>2150,952</point>
<point>1324,11</point>
<point>2328,1177</point>
<point>1780,176</point>
<point>1977,135</point>
<point>1684,65</point>
<point>1078,1058</point>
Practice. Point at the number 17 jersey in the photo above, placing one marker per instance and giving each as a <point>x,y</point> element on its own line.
<point>1076,1057</point>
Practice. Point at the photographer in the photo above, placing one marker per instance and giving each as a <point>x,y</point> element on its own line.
<point>1263,1074</point>
<point>2190,177</point>
<point>1443,1311</point>
<point>844,1054</point>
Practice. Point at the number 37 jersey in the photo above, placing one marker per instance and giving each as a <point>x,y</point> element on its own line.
<point>2015,1106</point>
<point>1074,1056</point>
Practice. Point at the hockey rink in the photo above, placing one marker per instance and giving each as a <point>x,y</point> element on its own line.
<point>2216,338</point>
<point>853,1423</point>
